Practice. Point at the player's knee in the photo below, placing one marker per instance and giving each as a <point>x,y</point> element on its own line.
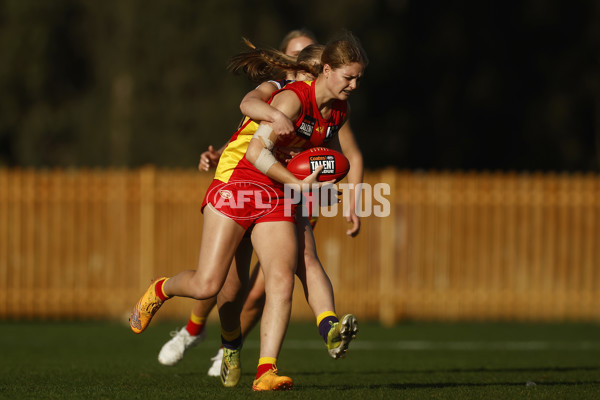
<point>204,289</point>
<point>285,278</point>
<point>283,288</point>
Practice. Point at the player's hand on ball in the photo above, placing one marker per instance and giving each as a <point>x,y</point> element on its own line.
<point>289,152</point>
<point>311,182</point>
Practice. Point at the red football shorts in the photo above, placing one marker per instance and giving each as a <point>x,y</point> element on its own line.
<point>249,203</point>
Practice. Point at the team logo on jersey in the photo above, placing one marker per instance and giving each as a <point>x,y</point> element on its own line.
<point>331,132</point>
<point>307,126</point>
<point>226,194</point>
<point>328,163</point>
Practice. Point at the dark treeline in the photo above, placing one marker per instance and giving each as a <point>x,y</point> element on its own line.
<point>451,84</point>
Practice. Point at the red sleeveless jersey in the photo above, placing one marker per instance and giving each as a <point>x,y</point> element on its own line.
<point>312,130</point>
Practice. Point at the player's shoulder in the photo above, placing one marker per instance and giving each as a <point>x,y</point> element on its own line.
<point>302,89</point>
<point>287,95</point>
<point>288,102</point>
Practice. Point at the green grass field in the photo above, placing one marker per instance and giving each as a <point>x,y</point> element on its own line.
<point>101,360</point>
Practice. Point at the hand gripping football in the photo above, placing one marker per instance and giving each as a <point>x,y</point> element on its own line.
<point>335,164</point>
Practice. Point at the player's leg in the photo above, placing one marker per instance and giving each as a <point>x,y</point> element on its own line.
<point>277,254</point>
<point>251,313</point>
<point>255,301</point>
<point>233,294</point>
<point>220,238</point>
<point>230,301</point>
<point>193,333</point>
<point>319,294</point>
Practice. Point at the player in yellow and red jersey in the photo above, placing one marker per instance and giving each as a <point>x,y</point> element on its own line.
<point>194,331</point>
<point>311,130</point>
<point>273,239</point>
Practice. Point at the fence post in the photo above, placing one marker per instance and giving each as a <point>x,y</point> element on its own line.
<point>147,191</point>
<point>5,212</point>
<point>387,249</point>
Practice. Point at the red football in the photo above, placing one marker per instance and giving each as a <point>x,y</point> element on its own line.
<point>336,165</point>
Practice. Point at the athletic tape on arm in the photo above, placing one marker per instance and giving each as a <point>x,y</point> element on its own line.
<point>263,133</point>
<point>265,159</point>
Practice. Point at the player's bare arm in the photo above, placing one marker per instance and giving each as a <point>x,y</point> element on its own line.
<point>352,152</point>
<point>255,106</point>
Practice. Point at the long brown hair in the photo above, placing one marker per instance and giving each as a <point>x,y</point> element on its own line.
<point>263,64</point>
<point>260,65</point>
<point>344,51</point>
<point>309,59</point>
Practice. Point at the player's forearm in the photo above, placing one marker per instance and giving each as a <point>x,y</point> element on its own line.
<point>355,176</point>
<point>356,172</point>
<point>279,173</point>
<point>258,110</point>
<point>263,159</point>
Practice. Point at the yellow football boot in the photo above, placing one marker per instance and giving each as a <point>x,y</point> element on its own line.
<point>271,381</point>
<point>231,367</point>
<point>144,310</point>
<point>340,335</point>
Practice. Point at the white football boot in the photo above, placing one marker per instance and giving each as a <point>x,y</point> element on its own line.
<point>172,352</point>
<point>215,368</point>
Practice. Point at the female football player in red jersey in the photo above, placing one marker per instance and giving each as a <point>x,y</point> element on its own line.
<point>317,286</point>
<point>274,234</point>
<point>254,105</point>
<point>194,331</point>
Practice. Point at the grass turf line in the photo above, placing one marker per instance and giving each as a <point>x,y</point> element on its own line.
<point>102,360</point>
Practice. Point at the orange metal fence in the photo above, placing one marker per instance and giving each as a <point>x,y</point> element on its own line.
<point>86,243</point>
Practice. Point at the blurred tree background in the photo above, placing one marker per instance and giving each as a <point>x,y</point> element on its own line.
<point>451,84</point>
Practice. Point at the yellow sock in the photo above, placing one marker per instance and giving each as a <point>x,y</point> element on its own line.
<point>265,364</point>
<point>196,319</point>
<point>232,335</point>
<point>324,315</point>
<point>195,325</point>
<point>232,339</point>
